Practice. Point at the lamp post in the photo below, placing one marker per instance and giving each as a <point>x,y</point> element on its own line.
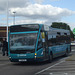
<point>7,20</point>
<point>14,18</point>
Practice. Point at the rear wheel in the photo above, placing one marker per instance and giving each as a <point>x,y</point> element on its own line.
<point>66,53</point>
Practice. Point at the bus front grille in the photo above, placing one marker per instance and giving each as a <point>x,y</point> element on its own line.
<point>21,51</point>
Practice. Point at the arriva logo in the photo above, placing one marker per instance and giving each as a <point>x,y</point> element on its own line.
<point>20,55</point>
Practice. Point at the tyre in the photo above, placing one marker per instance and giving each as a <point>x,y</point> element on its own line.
<point>66,53</point>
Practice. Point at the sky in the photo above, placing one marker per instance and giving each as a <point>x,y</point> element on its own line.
<point>37,11</point>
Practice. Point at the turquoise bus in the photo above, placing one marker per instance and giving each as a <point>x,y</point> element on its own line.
<point>37,42</point>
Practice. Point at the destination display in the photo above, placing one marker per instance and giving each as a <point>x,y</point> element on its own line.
<point>22,28</point>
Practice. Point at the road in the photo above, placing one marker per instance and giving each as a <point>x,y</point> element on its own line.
<point>43,68</point>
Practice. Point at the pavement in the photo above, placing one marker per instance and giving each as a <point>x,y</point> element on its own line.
<point>71,58</point>
<point>3,58</point>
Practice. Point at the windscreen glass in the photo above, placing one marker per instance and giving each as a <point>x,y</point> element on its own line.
<point>26,41</point>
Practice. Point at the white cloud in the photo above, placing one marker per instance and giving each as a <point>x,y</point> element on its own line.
<point>72,25</point>
<point>29,21</point>
<point>46,13</point>
<point>12,4</point>
<point>2,24</point>
<point>39,1</point>
<point>34,13</point>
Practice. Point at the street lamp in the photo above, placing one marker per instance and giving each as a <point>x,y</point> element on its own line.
<point>14,18</point>
<point>7,20</point>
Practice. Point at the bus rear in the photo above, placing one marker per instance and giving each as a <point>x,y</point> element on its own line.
<point>25,43</point>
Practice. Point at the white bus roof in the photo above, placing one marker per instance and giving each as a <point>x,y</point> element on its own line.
<point>58,30</point>
<point>61,31</point>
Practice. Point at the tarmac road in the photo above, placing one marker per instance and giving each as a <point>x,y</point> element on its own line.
<point>58,67</point>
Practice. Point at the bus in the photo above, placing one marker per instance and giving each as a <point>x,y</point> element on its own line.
<point>37,42</point>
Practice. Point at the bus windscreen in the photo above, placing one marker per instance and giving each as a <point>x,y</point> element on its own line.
<point>25,41</point>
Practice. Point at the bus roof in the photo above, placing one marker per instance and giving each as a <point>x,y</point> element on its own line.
<point>26,24</point>
<point>56,29</point>
<point>46,27</point>
<point>61,31</point>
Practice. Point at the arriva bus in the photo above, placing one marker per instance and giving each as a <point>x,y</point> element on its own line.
<point>37,42</point>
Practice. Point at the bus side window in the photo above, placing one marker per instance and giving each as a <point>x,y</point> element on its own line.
<point>49,42</point>
<point>53,40</point>
<point>67,39</point>
<point>58,40</point>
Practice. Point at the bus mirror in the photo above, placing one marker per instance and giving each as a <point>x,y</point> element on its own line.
<point>43,36</point>
<point>46,27</point>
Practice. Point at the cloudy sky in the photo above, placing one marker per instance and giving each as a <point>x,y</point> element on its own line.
<point>37,11</point>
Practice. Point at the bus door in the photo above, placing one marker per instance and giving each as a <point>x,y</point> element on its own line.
<point>45,44</point>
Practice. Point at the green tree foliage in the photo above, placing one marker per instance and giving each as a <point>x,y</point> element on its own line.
<point>62,26</point>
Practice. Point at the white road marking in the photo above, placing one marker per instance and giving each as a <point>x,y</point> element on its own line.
<point>61,61</point>
<point>4,64</point>
<point>73,50</point>
<point>49,67</point>
<point>51,73</point>
<point>62,69</point>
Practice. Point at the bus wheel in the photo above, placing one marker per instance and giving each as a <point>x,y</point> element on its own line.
<point>66,53</point>
<point>50,58</point>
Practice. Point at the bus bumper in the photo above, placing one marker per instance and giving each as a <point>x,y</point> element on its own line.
<point>27,60</point>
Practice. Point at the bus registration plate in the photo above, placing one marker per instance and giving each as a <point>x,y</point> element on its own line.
<point>22,60</point>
